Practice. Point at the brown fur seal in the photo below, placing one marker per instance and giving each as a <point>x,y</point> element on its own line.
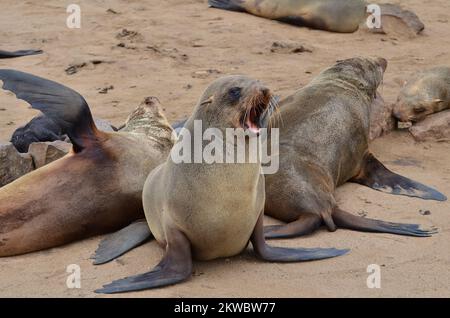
<point>8,55</point>
<point>96,188</point>
<point>331,15</point>
<point>427,92</point>
<point>207,211</point>
<point>323,144</point>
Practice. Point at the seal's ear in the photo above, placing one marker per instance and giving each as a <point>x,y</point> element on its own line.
<point>64,106</point>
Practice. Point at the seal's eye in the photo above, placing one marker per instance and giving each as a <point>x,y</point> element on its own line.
<point>234,93</point>
<point>419,109</point>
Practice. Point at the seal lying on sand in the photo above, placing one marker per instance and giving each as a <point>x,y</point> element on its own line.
<point>323,144</point>
<point>95,189</point>
<point>207,211</point>
<point>427,92</point>
<point>338,16</point>
<point>344,16</point>
<point>7,55</point>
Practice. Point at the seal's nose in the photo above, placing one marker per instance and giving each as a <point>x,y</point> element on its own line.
<point>383,63</point>
<point>265,91</point>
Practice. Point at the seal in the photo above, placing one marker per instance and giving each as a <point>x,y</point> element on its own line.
<point>96,188</point>
<point>211,210</point>
<point>427,92</point>
<point>8,55</point>
<point>324,143</point>
<point>343,16</point>
<point>40,128</point>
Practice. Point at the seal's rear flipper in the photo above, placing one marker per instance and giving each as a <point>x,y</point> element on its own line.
<point>306,224</point>
<point>8,55</point>
<point>121,242</point>
<point>280,254</point>
<point>376,176</point>
<point>232,5</point>
<point>175,267</point>
<point>63,105</point>
<point>352,222</point>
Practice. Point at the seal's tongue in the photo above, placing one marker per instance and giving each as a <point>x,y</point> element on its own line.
<point>252,127</point>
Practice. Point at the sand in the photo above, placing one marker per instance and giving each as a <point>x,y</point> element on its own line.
<point>181,46</point>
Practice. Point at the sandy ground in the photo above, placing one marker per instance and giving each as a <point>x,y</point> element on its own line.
<point>181,47</point>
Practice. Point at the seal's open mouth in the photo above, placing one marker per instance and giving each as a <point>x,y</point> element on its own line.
<point>259,111</point>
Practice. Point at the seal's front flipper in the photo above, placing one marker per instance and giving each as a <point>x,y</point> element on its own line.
<point>175,267</point>
<point>280,254</point>
<point>352,222</point>
<point>232,5</point>
<point>64,106</point>
<point>376,176</point>
<point>121,242</point>
<point>7,55</point>
<point>306,224</point>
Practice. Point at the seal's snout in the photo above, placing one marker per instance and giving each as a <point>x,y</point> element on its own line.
<point>382,62</point>
<point>259,109</point>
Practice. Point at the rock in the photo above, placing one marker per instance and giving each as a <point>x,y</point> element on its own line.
<point>381,119</point>
<point>289,47</point>
<point>13,164</point>
<point>45,152</point>
<point>104,125</point>
<point>435,127</point>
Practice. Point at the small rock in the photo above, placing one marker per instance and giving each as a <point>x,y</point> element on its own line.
<point>105,90</point>
<point>288,47</point>
<point>111,11</point>
<point>435,127</point>
<point>424,212</point>
<point>45,152</point>
<point>362,214</point>
<point>13,164</point>
<point>103,125</point>
<point>205,73</point>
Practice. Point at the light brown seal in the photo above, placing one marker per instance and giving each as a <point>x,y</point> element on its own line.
<point>95,189</point>
<point>425,93</point>
<point>338,16</point>
<point>323,144</point>
<point>207,211</point>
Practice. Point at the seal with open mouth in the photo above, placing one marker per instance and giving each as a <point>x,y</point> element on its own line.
<point>207,211</point>
<point>96,188</point>
<point>323,144</point>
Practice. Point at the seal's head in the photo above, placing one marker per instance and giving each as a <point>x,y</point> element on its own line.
<point>366,74</point>
<point>415,102</point>
<point>236,102</point>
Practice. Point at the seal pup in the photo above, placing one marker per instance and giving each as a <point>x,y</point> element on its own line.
<point>211,210</point>
<point>96,188</point>
<point>323,144</point>
<point>342,16</point>
<point>8,55</point>
<point>427,92</point>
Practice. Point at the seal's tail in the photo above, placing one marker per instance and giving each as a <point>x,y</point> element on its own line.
<point>8,55</point>
<point>232,5</point>
<point>63,105</point>
<point>349,221</point>
<point>376,176</point>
